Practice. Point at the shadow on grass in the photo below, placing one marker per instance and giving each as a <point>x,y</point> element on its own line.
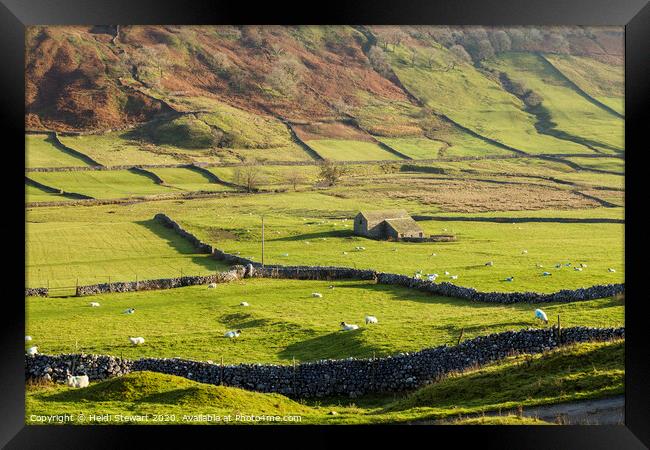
<point>335,345</point>
<point>318,235</point>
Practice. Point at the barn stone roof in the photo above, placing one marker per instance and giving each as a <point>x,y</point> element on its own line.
<point>404,225</point>
<point>385,214</point>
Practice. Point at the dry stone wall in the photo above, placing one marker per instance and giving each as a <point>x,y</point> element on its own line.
<point>348,377</point>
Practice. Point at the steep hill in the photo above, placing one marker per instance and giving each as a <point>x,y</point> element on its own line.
<point>207,87</point>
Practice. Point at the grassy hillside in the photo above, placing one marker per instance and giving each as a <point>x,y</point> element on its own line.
<point>583,371</point>
<point>283,321</point>
<point>40,151</point>
<point>571,112</point>
<point>188,180</point>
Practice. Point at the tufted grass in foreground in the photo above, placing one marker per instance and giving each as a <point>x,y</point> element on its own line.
<point>577,372</point>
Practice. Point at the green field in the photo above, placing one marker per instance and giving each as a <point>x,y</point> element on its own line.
<point>578,372</point>
<point>102,184</point>
<point>41,152</point>
<point>117,148</point>
<point>476,102</point>
<point>64,253</point>
<point>36,194</point>
<point>570,112</point>
<point>188,180</point>
<point>348,150</point>
<point>273,177</point>
<point>610,164</point>
<point>311,228</point>
<point>416,148</point>
<point>604,82</point>
<point>283,321</point>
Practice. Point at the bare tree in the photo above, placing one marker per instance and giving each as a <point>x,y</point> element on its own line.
<point>295,177</point>
<point>248,175</point>
<point>330,173</point>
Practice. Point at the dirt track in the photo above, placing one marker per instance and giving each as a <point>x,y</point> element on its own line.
<point>607,411</point>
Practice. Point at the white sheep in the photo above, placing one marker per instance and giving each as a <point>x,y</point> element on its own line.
<point>94,304</point>
<point>558,266</point>
<point>331,286</point>
<point>583,265</point>
<point>371,319</point>
<point>285,255</point>
<point>434,254</point>
<point>348,326</point>
<point>611,270</point>
<point>129,311</point>
<point>417,276</point>
<point>524,252</point>
<point>316,294</point>
<point>489,263</point>
<point>446,272</point>
<point>232,334</point>
<point>31,351</point>
<point>136,340</point>
<point>432,277</point>
<point>541,315</point>
<point>80,381</point>
<point>454,277</point>
<point>244,304</point>
<point>509,278</point>
<point>546,274</point>
<point>212,285</point>
<point>28,338</point>
<point>578,269</point>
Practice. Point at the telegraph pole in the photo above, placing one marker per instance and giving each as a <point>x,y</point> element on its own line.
<point>262,241</point>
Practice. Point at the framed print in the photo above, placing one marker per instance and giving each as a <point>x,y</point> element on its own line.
<point>243,219</point>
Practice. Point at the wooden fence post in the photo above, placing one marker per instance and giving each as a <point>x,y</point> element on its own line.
<point>460,336</point>
<point>559,330</point>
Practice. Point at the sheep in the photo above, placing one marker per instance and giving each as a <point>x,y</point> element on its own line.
<point>546,274</point>
<point>541,315</point>
<point>330,286</point>
<point>212,285</point>
<point>244,304</point>
<point>232,334</point>
<point>432,277</point>
<point>345,253</point>
<point>446,272</point>
<point>578,269</point>
<point>524,252</point>
<point>371,319</point>
<point>417,276</point>
<point>348,326</point>
<point>434,254</point>
<point>31,351</point>
<point>94,304</point>
<point>611,270</point>
<point>539,266</point>
<point>136,340</point>
<point>316,294</point>
<point>284,255</point>
<point>80,381</point>
<point>558,266</point>
<point>129,311</point>
<point>489,263</point>
<point>454,277</point>
<point>28,338</point>
<point>359,249</point>
<point>509,278</point>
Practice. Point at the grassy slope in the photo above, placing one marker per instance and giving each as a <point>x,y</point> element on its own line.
<point>347,150</point>
<point>188,180</point>
<point>571,112</point>
<point>604,82</point>
<point>62,252</point>
<point>283,321</point>
<point>35,194</point>
<point>39,152</point>
<point>416,148</point>
<point>611,164</point>
<point>573,373</point>
<point>102,184</point>
<point>470,98</point>
<point>116,149</point>
<point>273,177</point>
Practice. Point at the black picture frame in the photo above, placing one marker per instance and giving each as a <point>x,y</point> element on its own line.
<point>633,14</point>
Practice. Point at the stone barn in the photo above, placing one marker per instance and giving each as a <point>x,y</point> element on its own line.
<point>387,224</point>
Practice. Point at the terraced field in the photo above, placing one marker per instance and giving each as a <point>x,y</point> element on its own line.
<point>571,112</point>
<point>345,150</point>
<point>188,180</point>
<point>273,177</point>
<point>40,151</point>
<point>36,194</point>
<point>283,321</point>
<point>102,184</point>
<point>476,102</point>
